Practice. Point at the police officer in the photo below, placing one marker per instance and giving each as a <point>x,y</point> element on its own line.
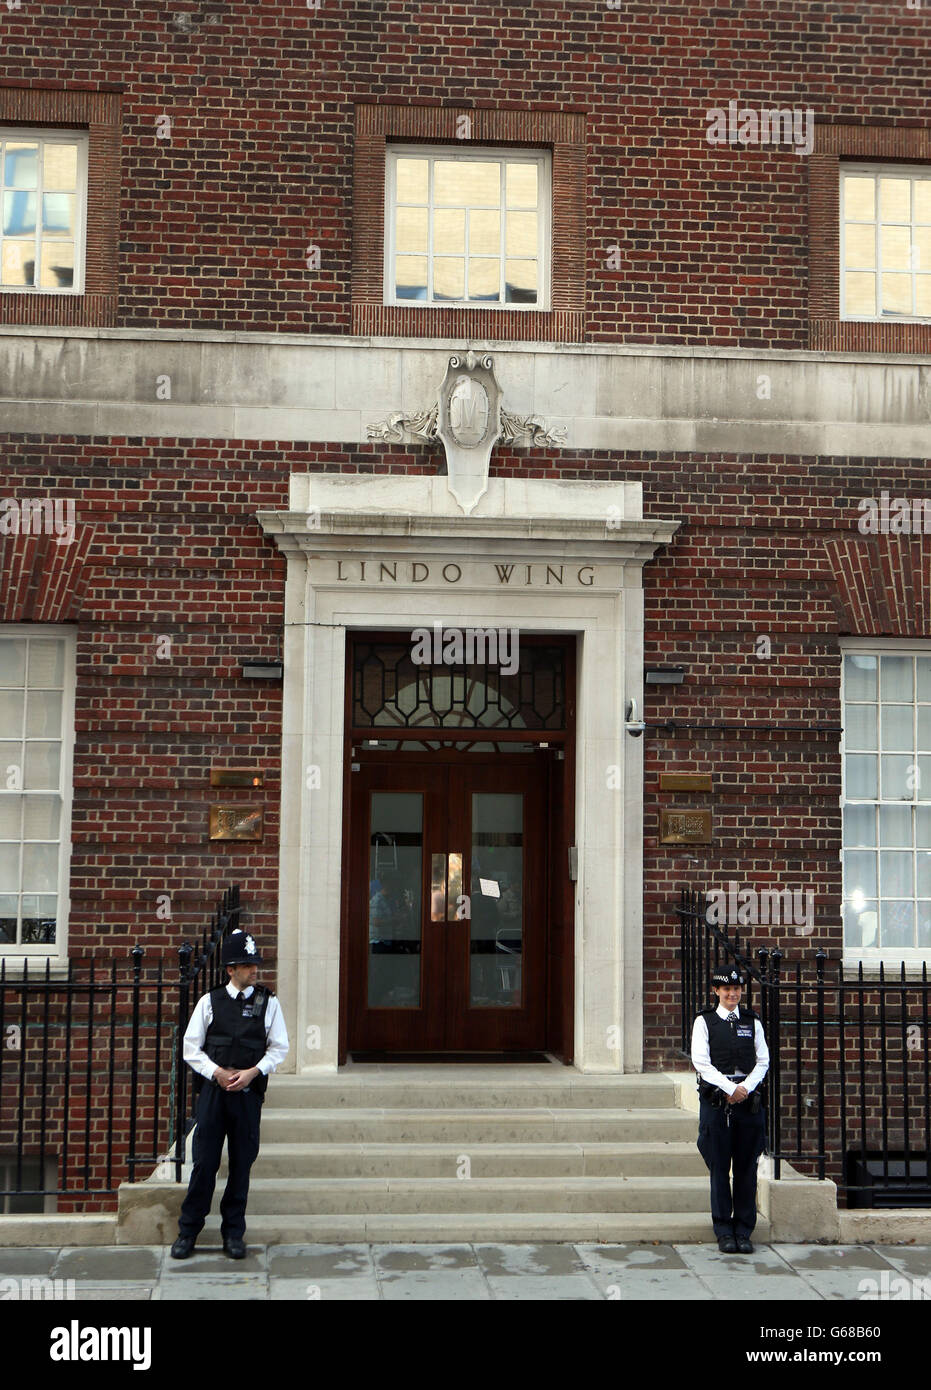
<point>730,1055</point>
<point>236,1036</point>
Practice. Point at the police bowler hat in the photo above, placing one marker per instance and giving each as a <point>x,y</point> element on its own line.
<point>728,977</point>
<point>240,948</point>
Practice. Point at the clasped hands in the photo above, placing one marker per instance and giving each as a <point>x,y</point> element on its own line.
<point>235,1080</point>
<point>738,1094</point>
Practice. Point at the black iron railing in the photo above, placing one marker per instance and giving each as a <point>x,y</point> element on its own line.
<point>93,1083</point>
<point>848,1092</point>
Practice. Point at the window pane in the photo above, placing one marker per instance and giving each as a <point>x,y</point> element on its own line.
<point>8,906</point>
<point>410,277</point>
<point>924,726</point>
<point>860,874</point>
<point>449,232</point>
<point>19,214</point>
<point>521,235</point>
<point>860,677</point>
<point>895,826</point>
<point>924,925</point>
<point>21,165</point>
<point>922,188</point>
<point>40,868</point>
<point>897,924</point>
<point>11,714</point>
<point>894,200</point>
<point>860,825</point>
<point>13,661</point>
<point>521,282</point>
<point>464,183</point>
<point>42,766</point>
<point>46,663</point>
<point>897,729</point>
<point>58,213</point>
<point>11,757</point>
<point>860,197</point>
<point>924,778</point>
<point>18,266</point>
<point>859,293</point>
<point>923,294</point>
<point>860,729</point>
<point>923,872</point>
<point>896,248</point>
<point>860,924</point>
<point>923,665</point>
<point>412,180</point>
<point>862,777</point>
<point>897,294</point>
<point>898,778</point>
<point>860,247</point>
<point>43,714</point>
<point>38,920</point>
<point>448,277</point>
<point>921,253</point>
<point>896,874</point>
<point>41,817</point>
<point>923,826</point>
<point>57,265</point>
<point>412,231</point>
<point>896,680</point>
<point>60,166</point>
<point>484,279</point>
<point>484,233</point>
<point>9,868</point>
<point>395,879</point>
<point>11,808</point>
<point>521,185</point>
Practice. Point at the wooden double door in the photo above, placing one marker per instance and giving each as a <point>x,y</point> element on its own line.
<point>447,902</point>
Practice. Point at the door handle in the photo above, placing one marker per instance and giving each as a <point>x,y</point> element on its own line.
<point>445,886</point>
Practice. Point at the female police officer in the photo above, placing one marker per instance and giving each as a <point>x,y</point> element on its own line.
<point>730,1055</point>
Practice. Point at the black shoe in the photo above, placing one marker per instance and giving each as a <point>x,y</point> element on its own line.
<point>183,1247</point>
<point>235,1248</point>
<point>727,1245</point>
<point>744,1246</point>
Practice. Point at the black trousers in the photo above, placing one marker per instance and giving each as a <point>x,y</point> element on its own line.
<point>736,1143</point>
<point>234,1116</point>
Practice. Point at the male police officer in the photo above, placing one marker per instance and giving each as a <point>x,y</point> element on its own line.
<point>730,1055</point>
<point>236,1036</point>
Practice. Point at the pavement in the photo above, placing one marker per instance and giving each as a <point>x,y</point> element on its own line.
<point>559,1272</point>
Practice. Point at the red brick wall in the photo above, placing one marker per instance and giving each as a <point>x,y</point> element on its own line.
<point>215,223</point>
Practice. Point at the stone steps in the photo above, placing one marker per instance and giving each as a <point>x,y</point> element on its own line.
<point>479,1125</point>
<point>487,1160</point>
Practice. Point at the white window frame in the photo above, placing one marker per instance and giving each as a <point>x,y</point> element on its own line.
<point>877,170</point>
<point>500,154</point>
<point>872,956</point>
<point>60,137</point>
<point>56,950</point>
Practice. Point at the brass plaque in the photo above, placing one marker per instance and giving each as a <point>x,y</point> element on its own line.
<point>236,777</point>
<point>685,827</point>
<point>685,781</point>
<point>236,823</point>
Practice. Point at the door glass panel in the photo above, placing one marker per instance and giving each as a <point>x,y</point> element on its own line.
<point>395,878</point>
<point>496,900</point>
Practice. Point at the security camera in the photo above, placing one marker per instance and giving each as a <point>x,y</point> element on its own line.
<point>634,726</point>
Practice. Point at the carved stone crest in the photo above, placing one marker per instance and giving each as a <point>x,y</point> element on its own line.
<point>469,419</point>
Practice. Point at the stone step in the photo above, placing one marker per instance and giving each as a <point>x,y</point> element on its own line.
<point>354,1196</point>
<point>476,1125</point>
<point>478,1228</point>
<point>559,1088</point>
<point>375,1160</point>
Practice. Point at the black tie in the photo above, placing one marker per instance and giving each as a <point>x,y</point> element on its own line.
<point>241,996</point>
<point>732,1019</point>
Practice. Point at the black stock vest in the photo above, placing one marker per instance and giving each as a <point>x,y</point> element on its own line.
<point>731,1045</point>
<point>236,1036</point>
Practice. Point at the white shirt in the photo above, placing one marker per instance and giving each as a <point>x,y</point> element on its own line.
<point>276,1035</point>
<point>701,1056</point>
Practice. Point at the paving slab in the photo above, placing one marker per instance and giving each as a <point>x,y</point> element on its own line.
<point>426,1258</point>
<point>435,1285</point>
<point>661,1284</point>
<point>347,1288</point>
<point>199,1290</point>
<point>766,1288</point>
<point>708,1259</point>
<point>110,1264</point>
<point>211,1261</point>
<point>317,1262</point>
<point>612,1259</point>
<point>815,1257</point>
<point>850,1284</point>
<point>914,1260</point>
<point>16,1261</point>
<point>529,1260</point>
<point>109,1293</point>
<point>543,1288</point>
